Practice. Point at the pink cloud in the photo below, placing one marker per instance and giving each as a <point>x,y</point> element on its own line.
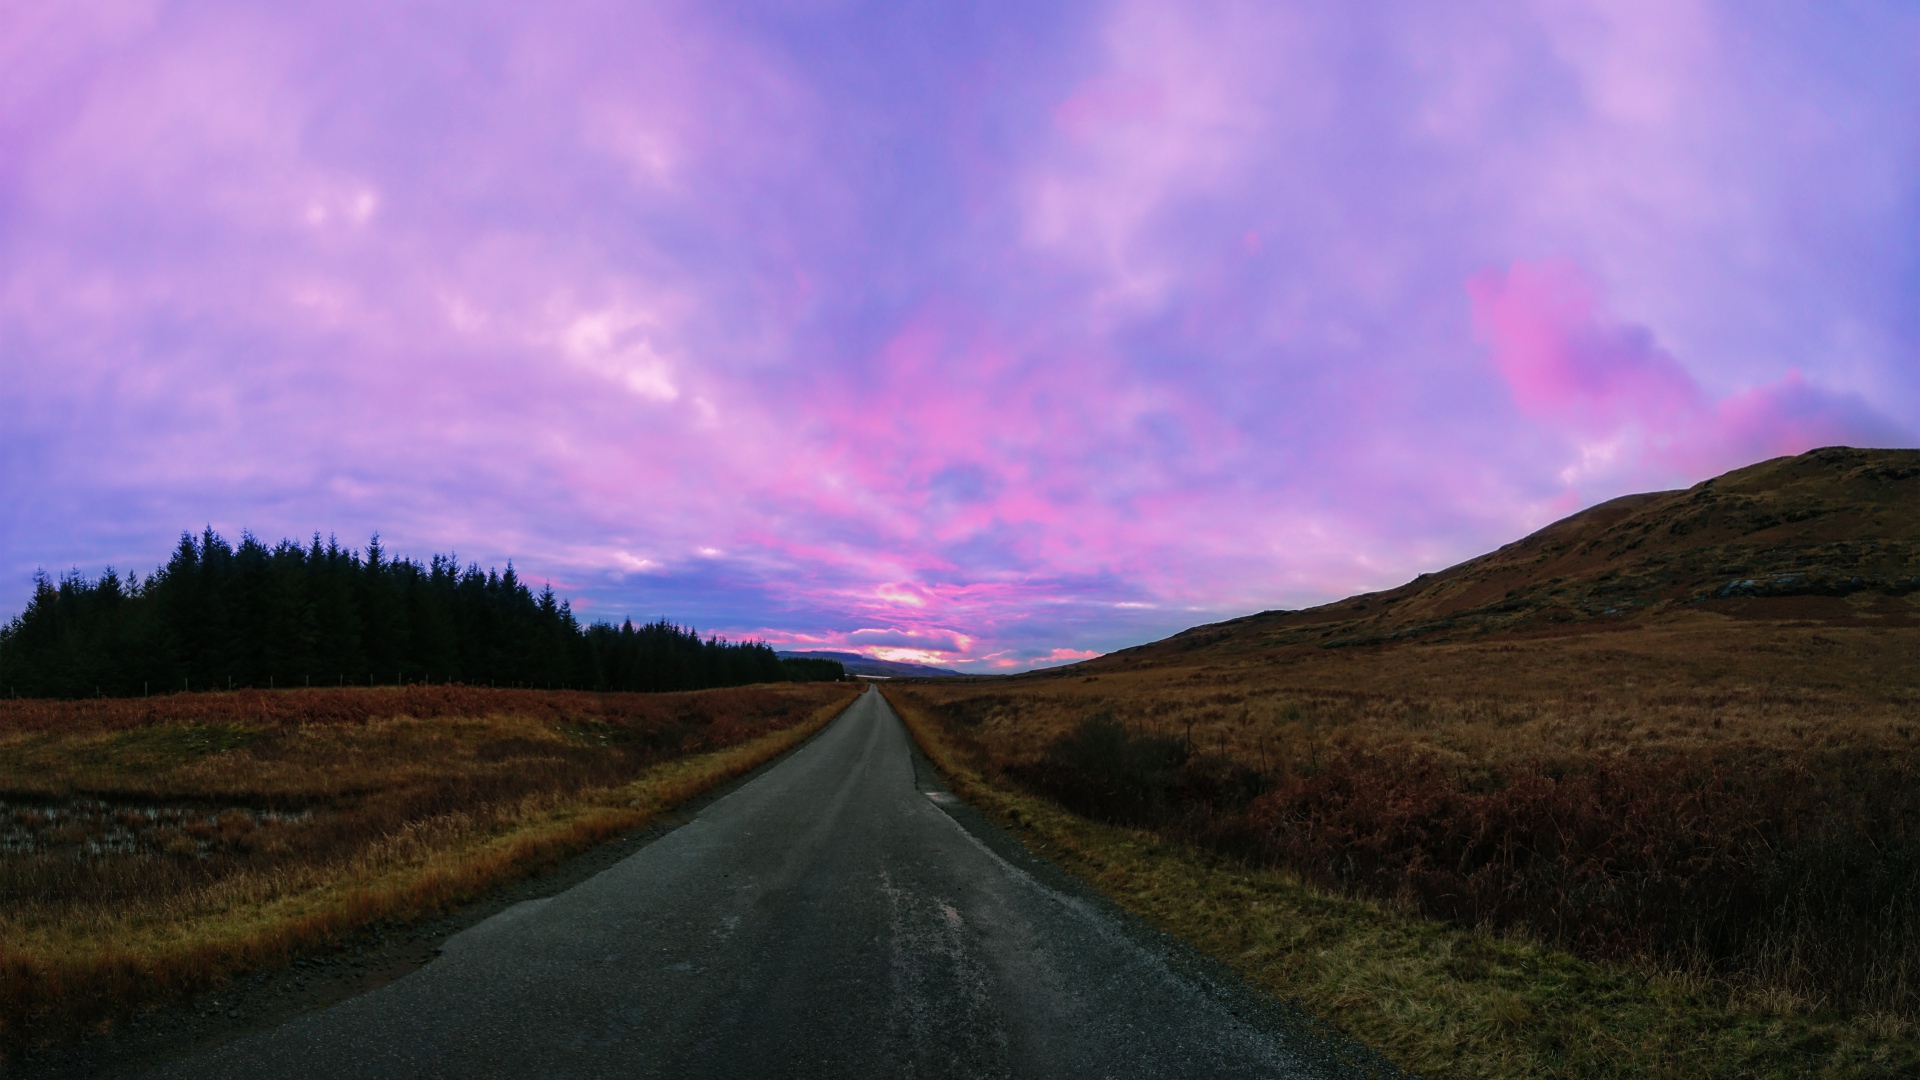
<point>1051,658</point>
<point>1792,415</point>
<point>923,640</point>
<point>785,324</point>
<point>1066,656</point>
<point>1109,100</point>
<point>1563,356</point>
<point>1627,406</point>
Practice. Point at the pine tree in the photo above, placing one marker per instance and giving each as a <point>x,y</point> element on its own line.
<point>216,616</point>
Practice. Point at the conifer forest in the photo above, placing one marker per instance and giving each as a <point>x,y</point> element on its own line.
<point>219,616</point>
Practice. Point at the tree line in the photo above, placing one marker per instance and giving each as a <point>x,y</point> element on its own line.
<point>219,616</point>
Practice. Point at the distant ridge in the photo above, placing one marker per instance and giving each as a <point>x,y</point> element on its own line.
<point>867,665</point>
<point>1820,535</point>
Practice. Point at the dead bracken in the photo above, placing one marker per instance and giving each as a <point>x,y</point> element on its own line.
<point>154,846</point>
<point>95,828</point>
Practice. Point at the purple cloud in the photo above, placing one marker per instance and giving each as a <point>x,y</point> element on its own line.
<point>1016,335</point>
<point>1632,411</point>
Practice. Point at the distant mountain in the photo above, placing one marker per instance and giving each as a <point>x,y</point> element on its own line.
<point>867,665</point>
<point>1831,534</point>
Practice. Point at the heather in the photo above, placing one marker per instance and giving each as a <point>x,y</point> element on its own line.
<point>153,846</point>
<point>1732,798</point>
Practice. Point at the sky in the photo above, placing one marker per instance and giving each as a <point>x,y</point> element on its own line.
<point>993,335</point>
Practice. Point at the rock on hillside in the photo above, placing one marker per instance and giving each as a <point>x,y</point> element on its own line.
<point>1835,531</point>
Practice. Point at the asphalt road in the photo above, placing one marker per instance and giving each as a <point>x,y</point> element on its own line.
<point>837,916</point>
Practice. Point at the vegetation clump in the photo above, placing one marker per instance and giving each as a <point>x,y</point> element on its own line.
<point>152,846</point>
<point>217,617</point>
<point>1739,829</point>
<point>1440,1000</point>
<point>812,669</point>
<point>1672,735</point>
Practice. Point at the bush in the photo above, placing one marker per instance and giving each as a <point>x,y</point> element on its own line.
<point>1106,772</point>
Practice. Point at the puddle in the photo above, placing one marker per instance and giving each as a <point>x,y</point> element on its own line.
<point>94,827</point>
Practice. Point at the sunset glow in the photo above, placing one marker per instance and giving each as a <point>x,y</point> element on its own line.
<point>983,337</point>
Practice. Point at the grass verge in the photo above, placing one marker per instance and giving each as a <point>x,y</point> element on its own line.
<point>74,965</point>
<point>1437,1000</point>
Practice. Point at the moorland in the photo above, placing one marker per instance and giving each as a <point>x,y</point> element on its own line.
<point>1669,741</point>
<point>153,847</point>
<point>1633,796</point>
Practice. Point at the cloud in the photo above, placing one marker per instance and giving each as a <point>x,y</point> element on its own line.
<point>1565,358</point>
<point>1790,416</point>
<point>1096,320</point>
<point>1070,655</point>
<point>1628,407</point>
<point>1051,658</point>
<point>926,641</point>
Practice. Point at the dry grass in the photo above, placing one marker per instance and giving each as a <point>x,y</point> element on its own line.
<point>1718,803</point>
<point>151,848</point>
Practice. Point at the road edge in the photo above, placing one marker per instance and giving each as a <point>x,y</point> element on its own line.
<point>358,963</point>
<point>1321,1043</point>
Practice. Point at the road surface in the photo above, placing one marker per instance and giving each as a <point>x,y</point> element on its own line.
<point>834,917</point>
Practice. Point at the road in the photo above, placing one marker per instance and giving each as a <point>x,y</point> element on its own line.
<point>837,916</point>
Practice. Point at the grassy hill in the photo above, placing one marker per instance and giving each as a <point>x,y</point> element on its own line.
<point>1673,740</point>
<point>1835,531</point>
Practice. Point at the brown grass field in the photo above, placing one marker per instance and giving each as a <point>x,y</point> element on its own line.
<point>153,847</point>
<point>1674,736</point>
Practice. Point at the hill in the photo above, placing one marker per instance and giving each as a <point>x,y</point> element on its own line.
<point>1831,534</point>
<point>1676,735</point>
<point>867,665</point>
